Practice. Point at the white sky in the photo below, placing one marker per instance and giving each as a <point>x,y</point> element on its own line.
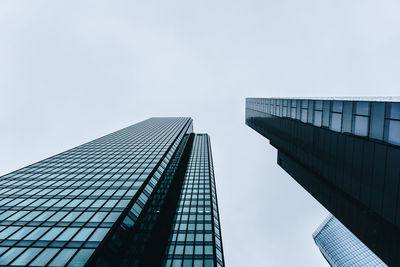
<point>71,71</point>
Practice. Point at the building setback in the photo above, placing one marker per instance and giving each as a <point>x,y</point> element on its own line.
<point>142,196</point>
<point>346,153</point>
<point>341,248</point>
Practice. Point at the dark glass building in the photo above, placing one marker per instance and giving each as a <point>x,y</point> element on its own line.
<point>341,248</point>
<point>346,153</point>
<point>142,196</point>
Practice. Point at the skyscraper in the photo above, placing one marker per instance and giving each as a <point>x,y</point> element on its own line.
<point>142,196</point>
<point>346,153</point>
<point>341,248</point>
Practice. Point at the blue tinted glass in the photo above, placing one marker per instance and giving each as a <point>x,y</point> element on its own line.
<point>208,250</point>
<point>361,125</point>
<point>318,118</point>
<point>8,231</point>
<point>67,234</point>
<point>304,115</point>
<point>336,123</point>
<point>45,256</point>
<point>177,263</point>
<point>27,256</point>
<point>71,216</point>
<point>362,108</point>
<point>198,263</point>
<point>318,104</point>
<point>85,216</point>
<point>337,106</point>
<point>208,263</point>
<point>81,257</point>
<point>187,263</point>
<point>21,233</point>
<point>52,233</point>
<point>395,111</point>
<point>44,216</point>
<point>112,217</point>
<point>98,217</point>
<point>63,257</point>
<point>99,234</point>
<point>83,234</point>
<point>7,257</point>
<point>394,132</point>
<point>36,233</point>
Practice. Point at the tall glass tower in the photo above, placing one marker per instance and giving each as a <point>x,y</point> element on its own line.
<point>341,248</point>
<point>346,153</point>
<point>142,196</point>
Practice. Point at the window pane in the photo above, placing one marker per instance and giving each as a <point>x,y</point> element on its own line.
<point>112,217</point>
<point>362,108</point>
<point>208,250</point>
<point>85,216</point>
<point>304,115</point>
<point>394,132</point>
<point>318,105</point>
<point>51,235</point>
<point>63,257</point>
<point>71,216</point>
<point>58,216</point>
<point>21,233</point>
<point>83,234</point>
<point>336,123</point>
<point>98,217</point>
<point>44,216</point>
<point>208,263</point>
<point>377,120</point>
<point>27,256</point>
<point>81,258</point>
<point>337,106</point>
<point>67,234</point>
<point>17,215</point>
<point>187,263</point>
<point>177,263</point>
<point>8,231</point>
<point>10,255</point>
<point>45,256</point>
<point>395,111</point>
<point>361,125</point>
<point>318,118</point>
<point>198,250</point>
<point>36,233</point>
<point>99,234</point>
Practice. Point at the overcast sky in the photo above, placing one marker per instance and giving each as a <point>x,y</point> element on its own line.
<point>72,71</point>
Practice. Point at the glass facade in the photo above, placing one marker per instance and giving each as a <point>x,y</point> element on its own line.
<point>341,248</point>
<point>378,120</point>
<point>345,152</point>
<point>65,209</point>
<point>195,239</point>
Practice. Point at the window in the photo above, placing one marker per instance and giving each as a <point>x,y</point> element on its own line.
<point>392,123</point>
<point>67,234</point>
<point>10,255</point>
<point>361,119</point>
<point>81,257</point>
<point>99,234</point>
<point>51,235</point>
<point>36,233</point>
<point>27,256</point>
<point>63,257</point>
<point>21,233</point>
<point>83,234</point>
